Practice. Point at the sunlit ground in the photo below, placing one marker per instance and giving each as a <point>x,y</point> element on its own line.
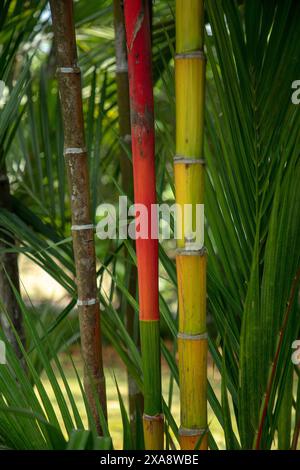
<point>40,287</point>
<point>114,366</point>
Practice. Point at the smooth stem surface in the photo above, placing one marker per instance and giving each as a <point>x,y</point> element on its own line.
<point>135,397</point>
<point>9,273</point>
<point>69,80</point>
<point>123,97</point>
<point>142,128</point>
<point>191,255</point>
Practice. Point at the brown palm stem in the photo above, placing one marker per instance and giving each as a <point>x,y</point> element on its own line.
<point>69,80</point>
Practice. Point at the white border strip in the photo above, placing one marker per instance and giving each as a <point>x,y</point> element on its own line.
<point>74,150</point>
<point>190,252</point>
<point>192,337</point>
<point>191,55</point>
<point>87,302</point>
<point>82,227</point>
<point>68,69</point>
<point>188,161</point>
<point>192,432</point>
<point>153,417</point>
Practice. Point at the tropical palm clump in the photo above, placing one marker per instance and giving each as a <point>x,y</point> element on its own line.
<point>195,339</point>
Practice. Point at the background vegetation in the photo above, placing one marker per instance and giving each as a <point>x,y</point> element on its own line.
<point>252,225</point>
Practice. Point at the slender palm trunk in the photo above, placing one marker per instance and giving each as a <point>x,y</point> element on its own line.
<point>69,80</point>
<point>135,397</point>
<point>142,130</point>
<point>123,96</point>
<point>191,256</point>
<point>9,273</point>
